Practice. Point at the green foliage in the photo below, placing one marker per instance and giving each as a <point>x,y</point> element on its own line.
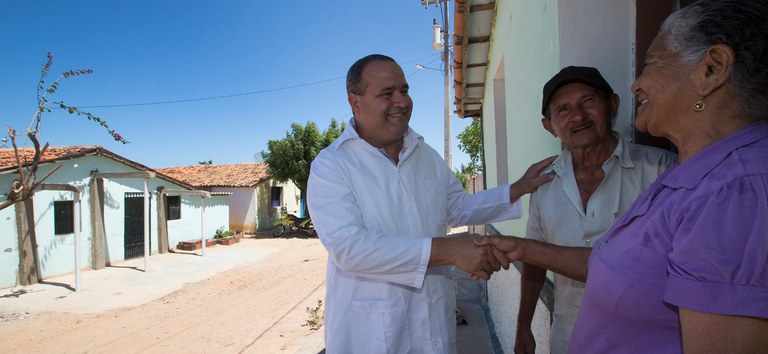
<point>283,219</point>
<point>461,176</point>
<point>471,142</point>
<point>315,320</point>
<point>205,163</point>
<point>222,233</point>
<point>289,159</point>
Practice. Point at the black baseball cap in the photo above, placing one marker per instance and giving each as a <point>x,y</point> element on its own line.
<point>585,74</point>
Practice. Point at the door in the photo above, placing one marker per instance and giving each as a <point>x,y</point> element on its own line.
<point>134,226</point>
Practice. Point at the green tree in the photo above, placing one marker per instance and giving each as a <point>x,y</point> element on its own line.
<point>289,159</point>
<point>471,142</point>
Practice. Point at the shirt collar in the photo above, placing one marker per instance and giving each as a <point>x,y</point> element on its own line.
<point>410,140</point>
<point>621,152</point>
<point>689,174</point>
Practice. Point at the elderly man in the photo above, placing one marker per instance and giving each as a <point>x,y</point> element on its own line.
<point>381,199</point>
<point>597,177</point>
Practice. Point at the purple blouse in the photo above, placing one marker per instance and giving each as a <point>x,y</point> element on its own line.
<point>697,239</point>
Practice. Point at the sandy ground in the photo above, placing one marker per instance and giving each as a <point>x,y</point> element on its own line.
<point>252,298</point>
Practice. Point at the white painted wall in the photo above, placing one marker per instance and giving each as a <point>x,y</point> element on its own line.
<point>188,227</point>
<point>243,205</point>
<point>9,245</point>
<point>601,33</point>
<point>524,44</point>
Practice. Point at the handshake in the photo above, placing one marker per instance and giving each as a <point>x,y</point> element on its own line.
<point>477,255</point>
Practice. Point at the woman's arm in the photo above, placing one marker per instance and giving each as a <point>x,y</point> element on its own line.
<point>713,333</point>
<point>568,261</point>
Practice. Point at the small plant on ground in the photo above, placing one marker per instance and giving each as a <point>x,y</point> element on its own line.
<point>315,320</point>
<point>221,233</point>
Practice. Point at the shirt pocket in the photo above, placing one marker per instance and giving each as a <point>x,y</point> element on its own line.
<point>432,199</point>
<point>382,326</point>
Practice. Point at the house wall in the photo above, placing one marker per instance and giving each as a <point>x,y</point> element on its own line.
<point>531,41</point>
<point>291,198</point>
<point>188,227</point>
<point>56,252</point>
<point>9,245</point>
<point>250,209</point>
<point>243,204</point>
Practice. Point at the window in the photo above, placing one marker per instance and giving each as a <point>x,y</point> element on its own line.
<point>276,193</point>
<point>63,217</point>
<point>173,207</point>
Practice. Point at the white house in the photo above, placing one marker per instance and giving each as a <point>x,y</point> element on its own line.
<point>111,211</point>
<point>254,194</point>
<point>504,52</point>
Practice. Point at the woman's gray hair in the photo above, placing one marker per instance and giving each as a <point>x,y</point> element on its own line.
<point>740,24</point>
<point>355,73</point>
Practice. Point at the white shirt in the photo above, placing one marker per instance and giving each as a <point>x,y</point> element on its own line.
<point>556,216</point>
<point>376,219</point>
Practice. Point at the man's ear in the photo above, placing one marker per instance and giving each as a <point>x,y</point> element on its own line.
<point>614,102</point>
<point>547,124</point>
<point>354,102</point>
<point>714,69</point>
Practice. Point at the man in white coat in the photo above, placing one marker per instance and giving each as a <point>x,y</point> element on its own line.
<point>381,200</point>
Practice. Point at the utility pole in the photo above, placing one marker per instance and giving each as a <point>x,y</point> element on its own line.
<point>446,76</point>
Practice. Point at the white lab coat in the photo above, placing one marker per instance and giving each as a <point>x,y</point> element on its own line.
<point>376,219</point>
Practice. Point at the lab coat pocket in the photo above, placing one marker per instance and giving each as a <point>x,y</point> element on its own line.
<point>433,198</point>
<point>385,322</point>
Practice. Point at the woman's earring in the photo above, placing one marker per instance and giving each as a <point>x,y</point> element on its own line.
<point>699,105</point>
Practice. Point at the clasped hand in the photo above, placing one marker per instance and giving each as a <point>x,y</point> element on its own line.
<point>480,256</point>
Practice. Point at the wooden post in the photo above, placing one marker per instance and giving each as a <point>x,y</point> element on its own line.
<point>96,196</point>
<point>162,222</point>
<point>28,269</point>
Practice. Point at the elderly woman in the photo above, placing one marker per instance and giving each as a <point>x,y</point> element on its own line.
<point>686,267</point>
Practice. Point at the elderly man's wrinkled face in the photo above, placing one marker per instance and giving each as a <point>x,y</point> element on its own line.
<point>663,90</point>
<point>383,111</point>
<point>580,115</point>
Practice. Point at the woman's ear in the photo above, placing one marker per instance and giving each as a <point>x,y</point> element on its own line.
<point>714,68</point>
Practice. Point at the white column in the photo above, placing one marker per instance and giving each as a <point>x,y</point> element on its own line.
<point>76,217</point>
<point>146,224</point>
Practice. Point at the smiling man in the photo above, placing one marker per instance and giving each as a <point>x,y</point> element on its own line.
<point>597,177</point>
<point>381,200</point>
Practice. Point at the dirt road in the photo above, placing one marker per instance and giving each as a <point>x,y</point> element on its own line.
<point>257,307</point>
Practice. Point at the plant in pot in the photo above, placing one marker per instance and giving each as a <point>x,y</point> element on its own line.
<point>224,237</point>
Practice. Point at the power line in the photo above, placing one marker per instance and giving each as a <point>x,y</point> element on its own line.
<point>232,95</point>
<point>214,97</point>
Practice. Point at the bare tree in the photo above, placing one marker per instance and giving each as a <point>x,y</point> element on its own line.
<point>27,162</point>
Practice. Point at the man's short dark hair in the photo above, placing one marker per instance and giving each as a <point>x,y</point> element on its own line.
<point>355,73</point>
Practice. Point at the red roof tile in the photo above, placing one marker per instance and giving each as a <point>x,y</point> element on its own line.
<point>57,153</point>
<point>235,175</point>
<point>53,153</point>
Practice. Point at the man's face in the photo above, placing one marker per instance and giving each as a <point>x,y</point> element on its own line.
<point>580,115</point>
<point>383,110</point>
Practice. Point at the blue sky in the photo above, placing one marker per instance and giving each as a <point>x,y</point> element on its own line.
<point>284,61</point>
